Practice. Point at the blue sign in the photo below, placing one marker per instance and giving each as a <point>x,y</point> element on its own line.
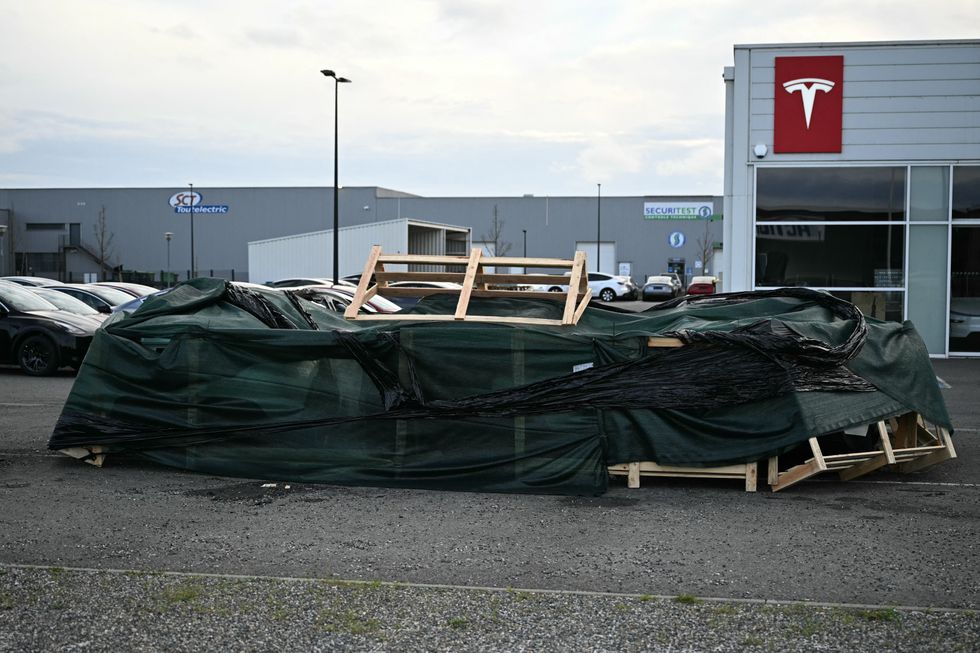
<point>187,202</point>
<point>676,239</point>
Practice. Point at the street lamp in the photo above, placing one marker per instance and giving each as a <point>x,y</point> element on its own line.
<point>525,249</point>
<point>168,235</point>
<point>598,227</point>
<point>3,261</point>
<point>336,189</point>
<point>193,266</point>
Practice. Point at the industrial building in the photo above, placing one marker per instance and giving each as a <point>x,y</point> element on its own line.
<point>65,233</point>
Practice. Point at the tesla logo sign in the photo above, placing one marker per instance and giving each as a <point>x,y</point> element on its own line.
<point>809,104</point>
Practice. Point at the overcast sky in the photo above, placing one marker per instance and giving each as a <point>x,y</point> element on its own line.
<point>449,97</point>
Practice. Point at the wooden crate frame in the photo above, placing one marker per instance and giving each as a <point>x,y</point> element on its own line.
<point>905,443</point>
<point>476,282</point>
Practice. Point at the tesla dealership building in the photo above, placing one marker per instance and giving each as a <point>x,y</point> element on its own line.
<point>855,168</point>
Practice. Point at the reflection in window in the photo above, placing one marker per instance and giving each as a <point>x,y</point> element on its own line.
<point>829,256</point>
<point>878,304</point>
<point>966,193</point>
<point>830,194</point>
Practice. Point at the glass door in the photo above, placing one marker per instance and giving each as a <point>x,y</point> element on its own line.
<point>964,291</point>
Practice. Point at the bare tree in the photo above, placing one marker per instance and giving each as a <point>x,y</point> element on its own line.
<point>103,241</point>
<point>500,247</point>
<point>706,247</point>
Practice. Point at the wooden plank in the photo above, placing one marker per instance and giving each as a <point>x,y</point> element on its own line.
<point>794,475</point>
<point>658,341</point>
<point>489,319</point>
<point>817,454</point>
<point>633,477</point>
<point>863,468</point>
<point>773,477</point>
<point>529,279</point>
<point>582,305</point>
<point>464,293</point>
<point>857,455</point>
<point>415,259</point>
<point>751,476</point>
<point>571,299</point>
<point>886,444</point>
<point>362,285</point>
<point>518,262</point>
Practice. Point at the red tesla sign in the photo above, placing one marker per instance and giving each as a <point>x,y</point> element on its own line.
<point>809,104</point>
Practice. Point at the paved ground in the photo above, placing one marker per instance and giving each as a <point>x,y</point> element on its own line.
<point>607,565</point>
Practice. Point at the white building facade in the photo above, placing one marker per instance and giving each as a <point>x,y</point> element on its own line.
<point>855,168</point>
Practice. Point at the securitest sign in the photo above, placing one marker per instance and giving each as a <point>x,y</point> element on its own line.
<point>677,210</point>
<point>188,202</point>
<point>809,104</point>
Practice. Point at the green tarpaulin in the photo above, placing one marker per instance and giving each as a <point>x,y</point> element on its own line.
<point>223,380</point>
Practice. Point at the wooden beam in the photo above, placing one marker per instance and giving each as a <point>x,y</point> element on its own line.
<point>658,341</point>
<point>362,285</point>
<point>571,301</point>
<point>464,294</point>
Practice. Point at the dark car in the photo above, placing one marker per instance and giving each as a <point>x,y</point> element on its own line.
<point>37,335</point>
<point>32,281</point>
<point>69,303</point>
<point>101,298</point>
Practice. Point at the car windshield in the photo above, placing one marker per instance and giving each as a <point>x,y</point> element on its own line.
<point>111,295</point>
<point>24,300</point>
<point>65,302</point>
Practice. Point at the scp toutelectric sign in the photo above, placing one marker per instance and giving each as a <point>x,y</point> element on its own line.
<point>187,202</point>
<point>809,104</point>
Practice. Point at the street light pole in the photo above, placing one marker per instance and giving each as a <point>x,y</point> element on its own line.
<point>598,228</point>
<point>336,188</point>
<point>168,235</point>
<point>193,266</point>
<point>525,249</point>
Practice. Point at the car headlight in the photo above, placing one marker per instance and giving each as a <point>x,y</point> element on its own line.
<point>71,328</point>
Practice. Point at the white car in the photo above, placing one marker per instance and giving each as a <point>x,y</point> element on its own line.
<point>964,317</point>
<point>607,287</point>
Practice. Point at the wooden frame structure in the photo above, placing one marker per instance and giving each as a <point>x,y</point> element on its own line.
<point>475,282</point>
<point>905,443</point>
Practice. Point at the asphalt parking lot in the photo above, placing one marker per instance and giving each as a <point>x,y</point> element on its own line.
<point>141,557</point>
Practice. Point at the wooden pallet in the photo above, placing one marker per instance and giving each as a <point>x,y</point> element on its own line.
<point>475,282</point>
<point>904,443</point>
<point>749,472</point>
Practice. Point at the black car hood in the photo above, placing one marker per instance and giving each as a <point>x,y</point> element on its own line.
<point>79,321</point>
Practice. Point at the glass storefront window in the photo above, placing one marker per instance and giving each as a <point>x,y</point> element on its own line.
<point>966,193</point>
<point>830,256</point>
<point>830,194</point>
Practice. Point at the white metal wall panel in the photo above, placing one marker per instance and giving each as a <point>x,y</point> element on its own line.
<point>901,102</point>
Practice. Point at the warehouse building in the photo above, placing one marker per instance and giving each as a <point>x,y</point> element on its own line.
<point>855,168</point>
<point>148,234</point>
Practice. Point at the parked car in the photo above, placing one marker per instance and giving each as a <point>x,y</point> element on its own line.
<point>964,318</point>
<point>298,282</point>
<point>134,289</point>
<point>407,302</point>
<point>32,281</point>
<point>38,336</point>
<point>703,285</point>
<point>658,288</point>
<point>101,298</point>
<point>68,303</point>
<point>339,298</point>
<point>607,287</point>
